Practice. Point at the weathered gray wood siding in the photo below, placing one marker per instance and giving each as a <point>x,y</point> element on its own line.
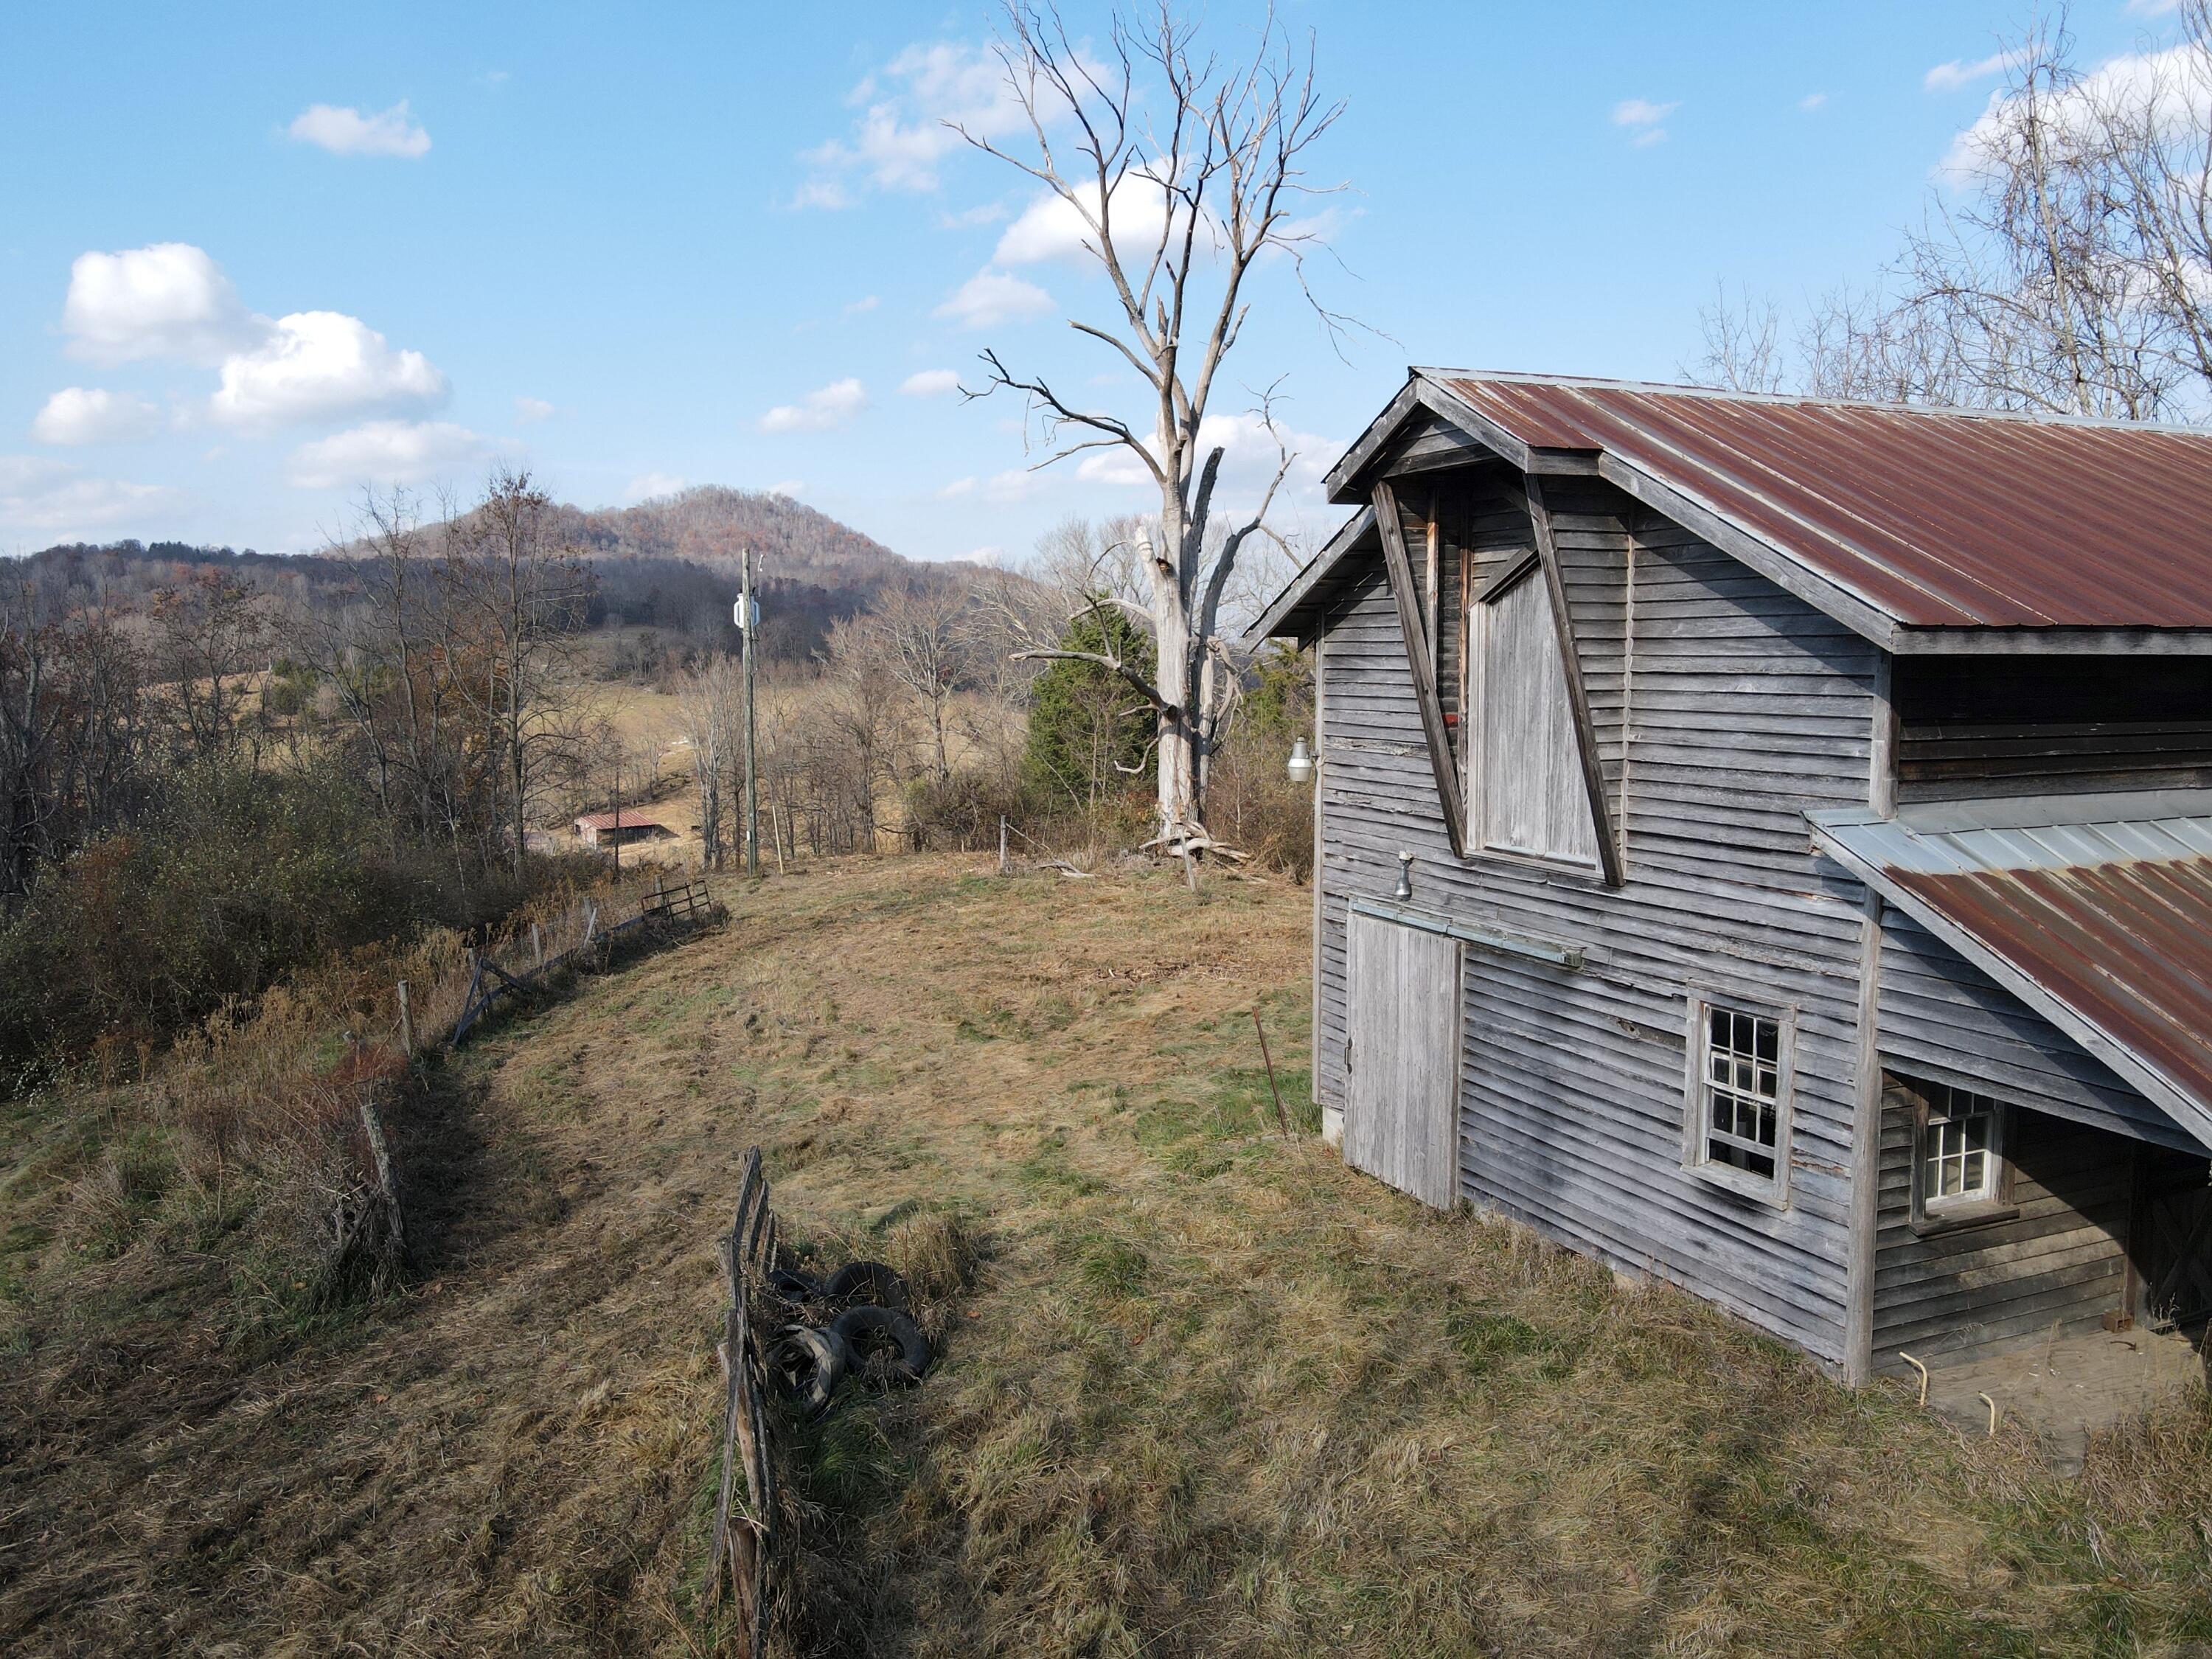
<point>1956,762</point>
<point>1963,1292</point>
<point>1728,707</point>
<point>1943,1017</point>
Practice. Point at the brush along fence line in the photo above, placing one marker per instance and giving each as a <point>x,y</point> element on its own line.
<point>742,1558</point>
<point>687,903</point>
<point>803,1336</point>
<point>367,1223</point>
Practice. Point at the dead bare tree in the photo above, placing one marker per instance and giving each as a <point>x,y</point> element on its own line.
<point>1185,173</point>
<point>710,704</point>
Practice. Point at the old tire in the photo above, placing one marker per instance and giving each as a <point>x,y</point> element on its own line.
<point>865,1284</point>
<point>807,1365</point>
<point>884,1348</point>
<point>797,1289</point>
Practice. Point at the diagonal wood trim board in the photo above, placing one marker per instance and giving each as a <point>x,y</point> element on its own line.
<point>1421,658</point>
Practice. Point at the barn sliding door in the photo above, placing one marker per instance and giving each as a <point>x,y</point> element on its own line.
<point>1401,1111</point>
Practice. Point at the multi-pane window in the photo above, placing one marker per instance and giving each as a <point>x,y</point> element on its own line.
<point>1957,1148</point>
<point>1742,1103</point>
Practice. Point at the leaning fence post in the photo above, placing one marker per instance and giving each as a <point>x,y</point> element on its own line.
<point>406,1023</point>
<point>1002,843</point>
<point>537,945</point>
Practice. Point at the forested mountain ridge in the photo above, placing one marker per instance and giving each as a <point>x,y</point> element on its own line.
<point>670,562</point>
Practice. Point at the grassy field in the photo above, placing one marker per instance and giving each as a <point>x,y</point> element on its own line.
<point>1202,1391</point>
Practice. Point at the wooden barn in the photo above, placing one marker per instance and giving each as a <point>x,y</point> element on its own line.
<point>1767,843</point>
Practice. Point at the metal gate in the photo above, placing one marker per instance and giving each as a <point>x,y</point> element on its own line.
<point>1402,1109</point>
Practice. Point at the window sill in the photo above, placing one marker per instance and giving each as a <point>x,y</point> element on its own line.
<point>1574,870</point>
<point>1769,1195</point>
<point>1963,1218</point>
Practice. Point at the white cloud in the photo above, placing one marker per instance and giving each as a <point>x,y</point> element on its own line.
<point>1051,228</point>
<point>54,499</point>
<point>648,486</point>
<point>320,364</point>
<point>167,300</point>
<point>900,137</point>
<point>1948,77</point>
<point>931,383</point>
<point>1250,453</point>
<point>1016,484</point>
<point>388,452</point>
<point>818,411</point>
<point>349,133</point>
<point>991,297</point>
<point>792,488</point>
<point>533,408</point>
<point>1813,101</point>
<point>829,193</point>
<point>2151,8</point>
<point>170,299</point>
<point>985,213</point>
<point>867,302</point>
<point>991,557</point>
<point>2169,89</point>
<point>1641,112</point>
<point>1649,137</point>
<point>90,415</point>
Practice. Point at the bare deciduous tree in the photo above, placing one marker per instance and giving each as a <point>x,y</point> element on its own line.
<point>2063,266</point>
<point>521,592</point>
<point>921,630</point>
<point>710,703</point>
<point>1185,173</point>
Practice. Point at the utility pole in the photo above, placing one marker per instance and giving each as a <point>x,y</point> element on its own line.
<point>748,622</point>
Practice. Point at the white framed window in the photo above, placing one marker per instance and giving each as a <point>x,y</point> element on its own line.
<point>1737,1126</point>
<point>1960,1170</point>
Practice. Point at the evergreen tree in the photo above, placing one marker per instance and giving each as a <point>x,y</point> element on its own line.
<point>1089,732</point>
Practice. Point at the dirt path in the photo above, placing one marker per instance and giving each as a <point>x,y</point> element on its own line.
<point>1206,1393</point>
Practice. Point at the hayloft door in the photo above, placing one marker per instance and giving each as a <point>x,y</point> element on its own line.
<point>1401,1111</point>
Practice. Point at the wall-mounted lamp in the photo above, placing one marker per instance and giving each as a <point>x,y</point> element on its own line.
<point>1302,762</point>
<point>1405,889</point>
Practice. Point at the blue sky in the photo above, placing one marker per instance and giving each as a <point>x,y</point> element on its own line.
<point>251,259</point>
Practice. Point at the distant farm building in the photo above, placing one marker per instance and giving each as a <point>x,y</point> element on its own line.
<point>620,829</point>
<point>1767,842</point>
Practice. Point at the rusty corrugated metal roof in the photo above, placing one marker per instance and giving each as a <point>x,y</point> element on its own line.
<point>627,818</point>
<point>2096,911</point>
<point>1935,518</point>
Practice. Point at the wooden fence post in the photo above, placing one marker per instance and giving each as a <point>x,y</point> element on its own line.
<point>406,1023</point>
<point>537,945</point>
<point>1002,843</point>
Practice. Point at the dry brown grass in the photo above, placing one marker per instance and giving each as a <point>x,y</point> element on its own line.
<point>1201,1391</point>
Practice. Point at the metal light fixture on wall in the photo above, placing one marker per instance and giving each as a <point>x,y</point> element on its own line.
<point>1405,889</point>
<point>1302,762</point>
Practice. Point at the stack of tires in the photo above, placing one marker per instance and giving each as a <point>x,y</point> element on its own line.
<point>853,1325</point>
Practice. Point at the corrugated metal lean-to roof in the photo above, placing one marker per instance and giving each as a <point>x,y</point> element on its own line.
<point>2097,911</point>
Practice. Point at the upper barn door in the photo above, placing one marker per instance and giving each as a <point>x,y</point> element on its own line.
<point>1401,1111</point>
